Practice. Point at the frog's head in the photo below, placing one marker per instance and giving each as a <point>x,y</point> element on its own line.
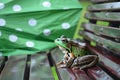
<point>62,43</point>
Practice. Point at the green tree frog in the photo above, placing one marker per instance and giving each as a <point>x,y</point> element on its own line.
<point>71,59</point>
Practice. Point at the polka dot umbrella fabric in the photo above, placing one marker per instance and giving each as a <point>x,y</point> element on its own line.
<point>31,26</point>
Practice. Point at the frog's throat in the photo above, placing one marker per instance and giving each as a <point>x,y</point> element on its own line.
<point>65,49</point>
<point>63,45</point>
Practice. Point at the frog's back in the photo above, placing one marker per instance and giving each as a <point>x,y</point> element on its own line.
<point>78,51</point>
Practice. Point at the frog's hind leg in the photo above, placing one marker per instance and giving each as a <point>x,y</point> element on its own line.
<point>90,64</point>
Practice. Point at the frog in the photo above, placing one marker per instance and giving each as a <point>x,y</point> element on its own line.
<point>70,60</point>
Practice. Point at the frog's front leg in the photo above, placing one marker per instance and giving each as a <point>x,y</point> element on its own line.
<point>69,62</point>
<point>66,62</point>
<point>62,64</point>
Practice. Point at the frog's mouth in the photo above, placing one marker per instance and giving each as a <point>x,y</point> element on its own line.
<point>61,45</point>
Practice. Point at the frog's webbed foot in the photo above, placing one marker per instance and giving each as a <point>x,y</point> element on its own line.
<point>65,63</point>
<point>61,64</point>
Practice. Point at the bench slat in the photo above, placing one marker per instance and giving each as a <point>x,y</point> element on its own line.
<point>40,69</point>
<point>107,31</point>
<point>108,43</point>
<point>68,74</point>
<point>81,75</point>
<point>97,73</point>
<point>103,16</point>
<point>101,1</point>
<point>14,68</point>
<point>113,6</point>
<point>107,61</point>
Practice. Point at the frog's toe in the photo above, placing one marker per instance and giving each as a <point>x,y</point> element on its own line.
<point>82,68</point>
<point>61,66</point>
<point>75,68</point>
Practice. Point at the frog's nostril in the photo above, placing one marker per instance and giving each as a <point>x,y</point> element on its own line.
<point>57,39</point>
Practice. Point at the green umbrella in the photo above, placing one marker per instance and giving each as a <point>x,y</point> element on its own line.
<point>30,26</point>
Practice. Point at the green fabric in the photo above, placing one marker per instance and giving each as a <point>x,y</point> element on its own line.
<point>30,26</point>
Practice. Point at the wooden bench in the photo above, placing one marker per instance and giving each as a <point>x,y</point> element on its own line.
<point>26,67</point>
<point>101,39</point>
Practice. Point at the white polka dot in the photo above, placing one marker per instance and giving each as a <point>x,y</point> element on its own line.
<point>17,8</point>
<point>47,32</point>
<point>65,25</point>
<point>18,29</point>
<point>2,22</point>
<point>13,38</point>
<point>32,22</point>
<point>2,5</point>
<point>1,54</point>
<point>65,8</point>
<point>30,44</point>
<point>46,4</point>
<point>0,33</point>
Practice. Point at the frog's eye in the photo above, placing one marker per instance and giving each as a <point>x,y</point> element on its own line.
<point>64,40</point>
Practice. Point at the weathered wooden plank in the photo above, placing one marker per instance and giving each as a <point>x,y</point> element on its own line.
<point>80,75</point>
<point>113,6</point>
<point>14,68</point>
<point>68,74</point>
<point>107,61</point>
<point>97,73</point>
<point>102,30</point>
<point>103,16</point>
<point>101,1</point>
<point>40,69</point>
<point>108,43</point>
